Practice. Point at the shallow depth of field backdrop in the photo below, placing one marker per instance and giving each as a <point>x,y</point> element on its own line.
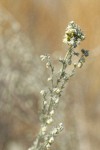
<point>29,28</point>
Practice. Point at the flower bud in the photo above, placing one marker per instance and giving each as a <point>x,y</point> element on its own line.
<point>79,65</point>
<point>51,140</point>
<point>50,120</point>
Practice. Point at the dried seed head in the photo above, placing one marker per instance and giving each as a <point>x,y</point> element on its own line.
<point>85,52</point>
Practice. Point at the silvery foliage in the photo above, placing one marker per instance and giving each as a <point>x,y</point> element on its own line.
<point>57,80</point>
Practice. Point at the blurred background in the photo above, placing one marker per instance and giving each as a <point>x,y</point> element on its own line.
<point>29,28</point>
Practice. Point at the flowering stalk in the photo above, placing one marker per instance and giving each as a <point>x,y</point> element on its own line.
<point>51,96</point>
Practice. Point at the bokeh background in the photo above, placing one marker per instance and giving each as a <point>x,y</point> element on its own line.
<point>29,28</point>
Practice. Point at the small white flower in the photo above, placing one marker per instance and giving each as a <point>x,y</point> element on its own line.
<point>47,64</point>
<point>55,131</point>
<point>43,130</point>
<point>31,148</point>
<point>56,100</point>
<point>51,112</point>
<point>72,22</point>
<point>50,78</point>
<point>50,120</point>
<point>43,57</point>
<point>75,64</point>
<point>61,125</point>
<point>71,42</point>
<point>79,65</point>
<point>61,59</point>
<point>51,140</point>
<point>44,102</point>
<point>65,40</point>
<point>71,30</point>
<point>42,92</point>
<point>48,146</point>
<point>57,90</point>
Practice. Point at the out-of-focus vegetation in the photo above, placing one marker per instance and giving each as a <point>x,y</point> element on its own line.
<point>30,28</point>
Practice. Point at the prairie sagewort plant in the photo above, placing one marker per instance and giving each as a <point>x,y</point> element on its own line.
<point>51,96</point>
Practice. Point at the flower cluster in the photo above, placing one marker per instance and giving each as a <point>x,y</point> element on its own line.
<point>44,57</point>
<point>73,35</point>
<point>50,138</point>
